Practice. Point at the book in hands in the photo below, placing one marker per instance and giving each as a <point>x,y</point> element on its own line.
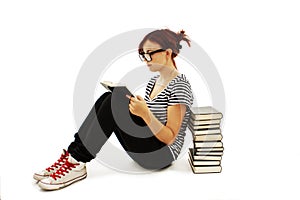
<point>120,87</point>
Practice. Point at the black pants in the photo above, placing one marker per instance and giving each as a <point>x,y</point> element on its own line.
<point>110,114</point>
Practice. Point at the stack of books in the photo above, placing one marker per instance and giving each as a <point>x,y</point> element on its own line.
<point>207,151</point>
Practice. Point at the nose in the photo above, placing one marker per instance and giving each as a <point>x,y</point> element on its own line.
<point>148,63</point>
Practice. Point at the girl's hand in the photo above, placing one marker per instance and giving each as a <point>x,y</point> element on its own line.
<point>138,106</point>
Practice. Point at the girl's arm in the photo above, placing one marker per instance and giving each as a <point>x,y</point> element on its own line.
<point>165,133</point>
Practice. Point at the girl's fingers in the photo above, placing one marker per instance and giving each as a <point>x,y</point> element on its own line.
<point>139,97</point>
<point>130,107</point>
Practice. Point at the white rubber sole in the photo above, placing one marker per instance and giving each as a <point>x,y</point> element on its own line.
<point>38,177</point>
<point>47,186</point>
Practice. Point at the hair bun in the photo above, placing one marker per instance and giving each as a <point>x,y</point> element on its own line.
<point>179,46</point>
<point>181,35</point>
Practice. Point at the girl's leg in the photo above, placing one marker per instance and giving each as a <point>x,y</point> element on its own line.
<point>110,114</point>
<point>94,132</point>
<point>150,153</point>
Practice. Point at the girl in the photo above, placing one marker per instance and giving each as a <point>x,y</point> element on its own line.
<point>151,129</point>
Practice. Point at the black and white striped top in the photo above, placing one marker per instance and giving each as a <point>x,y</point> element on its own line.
<point>178,91</point>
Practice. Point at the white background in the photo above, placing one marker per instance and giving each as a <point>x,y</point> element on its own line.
<point>255,46</point>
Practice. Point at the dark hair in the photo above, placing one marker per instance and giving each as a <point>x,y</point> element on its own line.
<point>166,39</point>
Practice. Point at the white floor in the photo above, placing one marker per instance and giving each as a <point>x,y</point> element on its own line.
<point>246,174</point>
<point>176,182</point>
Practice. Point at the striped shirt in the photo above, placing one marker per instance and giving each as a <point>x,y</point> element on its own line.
<point>178,91</point>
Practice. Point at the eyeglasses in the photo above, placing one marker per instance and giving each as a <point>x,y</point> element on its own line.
<point>147,56</point>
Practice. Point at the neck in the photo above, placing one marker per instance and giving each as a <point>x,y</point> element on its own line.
<point>168,71</point>
<point>166,75</point>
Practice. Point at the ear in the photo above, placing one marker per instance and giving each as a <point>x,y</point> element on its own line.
<point>169,52</point>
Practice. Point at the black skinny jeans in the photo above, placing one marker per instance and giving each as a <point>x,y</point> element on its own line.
<point>110,114</point>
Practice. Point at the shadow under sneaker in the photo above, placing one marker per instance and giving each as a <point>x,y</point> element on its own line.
<point>53,168</point>
<point>71,171</point>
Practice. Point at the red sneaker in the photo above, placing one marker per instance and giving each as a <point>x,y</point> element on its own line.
<point>53,168</point>
<point>71,171</point>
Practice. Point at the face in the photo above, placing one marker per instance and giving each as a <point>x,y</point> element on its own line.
<point>158,59</point>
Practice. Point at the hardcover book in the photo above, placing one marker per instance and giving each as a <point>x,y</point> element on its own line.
<point>208,153</point>
<point>203,157</point>
<point>205,169</point>
<point>207,144</point>
<point>207,126</point>
<point>209,149</point>
<point>204,122</point>
<point>204,131</point>
<point>213,137</point>
<point>203,162</point>
<point>205,113</point>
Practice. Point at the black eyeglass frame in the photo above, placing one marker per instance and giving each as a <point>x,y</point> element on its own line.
<point>143,58</point>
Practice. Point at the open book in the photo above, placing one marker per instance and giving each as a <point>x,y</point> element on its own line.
<point>120,87</point>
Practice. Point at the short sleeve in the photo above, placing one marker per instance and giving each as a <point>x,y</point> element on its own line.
<point>181,93</point>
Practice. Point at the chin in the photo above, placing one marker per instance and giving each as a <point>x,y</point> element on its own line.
<point>155,68</point>
<point>152,70</point>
